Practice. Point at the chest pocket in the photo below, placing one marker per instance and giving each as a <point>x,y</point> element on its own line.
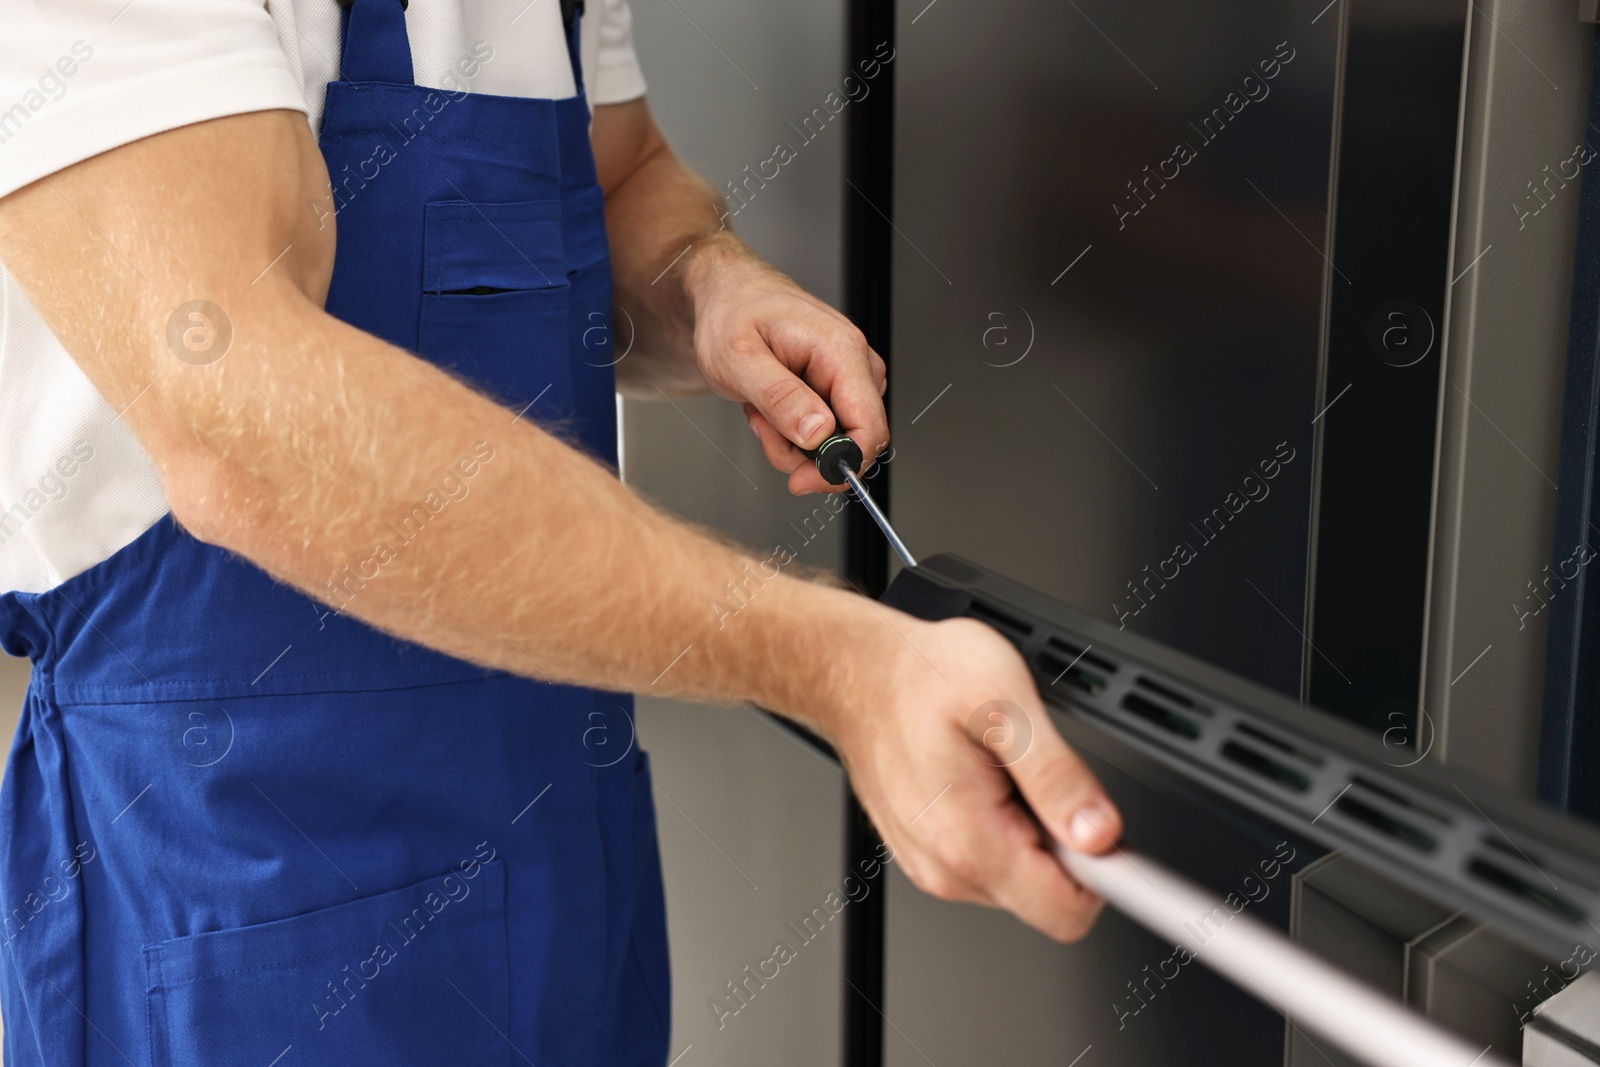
<point>495,301</point>
<point>413,976</point>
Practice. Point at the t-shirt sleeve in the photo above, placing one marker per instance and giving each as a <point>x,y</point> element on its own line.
<point>80,77</point>
<point>617,76</point>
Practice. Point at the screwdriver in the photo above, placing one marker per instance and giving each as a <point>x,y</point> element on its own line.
<point>838,459</point>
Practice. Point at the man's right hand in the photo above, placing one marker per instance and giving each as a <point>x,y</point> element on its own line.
<point>954,756</point>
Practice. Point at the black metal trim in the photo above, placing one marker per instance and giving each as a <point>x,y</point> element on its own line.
<point>1532,872</point>
<point>868,262</point>
<point>864,929</point>
<point>1394,179</point>
<point>869,170</point>
<point>1569,743</point>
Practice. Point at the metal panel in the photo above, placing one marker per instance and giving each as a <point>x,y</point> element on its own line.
<point>1360,924</point>
<point>1567,753</point>
<point>1447,967</point>
<point>1500,416</point>
<point>1466,975</point>
<point>1096,345</point>
<point>13,684</point>
<point>1565,1029</point>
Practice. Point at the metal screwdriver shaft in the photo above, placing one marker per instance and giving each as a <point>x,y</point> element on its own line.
<point>838,458</point>
<point>877,516</point>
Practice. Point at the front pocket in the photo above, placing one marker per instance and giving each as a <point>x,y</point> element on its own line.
<point>413,976</point>
<point>495,301</point>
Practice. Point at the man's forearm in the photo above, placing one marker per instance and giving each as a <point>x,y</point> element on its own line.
<point>667,214</point>
<point>539,562</point>
<point>312,442</point>
<point>703,310</point>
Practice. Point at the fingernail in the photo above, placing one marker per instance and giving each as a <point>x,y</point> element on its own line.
<point>754,430</point>
<point>812,425</point>
<point>806,492</point>
<point>1091,827</point>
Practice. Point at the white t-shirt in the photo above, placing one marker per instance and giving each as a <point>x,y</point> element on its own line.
<point>79,77</point>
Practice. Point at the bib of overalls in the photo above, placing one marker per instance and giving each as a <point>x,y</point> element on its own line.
<point>239,827</point>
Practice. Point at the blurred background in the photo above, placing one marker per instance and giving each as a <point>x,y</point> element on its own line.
<point>13,683</point>
<point>1098,340</point>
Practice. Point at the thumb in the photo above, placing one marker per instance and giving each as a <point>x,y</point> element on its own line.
<point>787,402</point>
<point>1063,792</point>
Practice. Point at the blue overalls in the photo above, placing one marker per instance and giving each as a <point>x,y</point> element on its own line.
<point>238,828</point>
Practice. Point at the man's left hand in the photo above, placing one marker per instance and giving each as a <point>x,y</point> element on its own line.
<point>793,362</point>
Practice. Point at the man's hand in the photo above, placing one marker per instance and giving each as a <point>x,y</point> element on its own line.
<point>705,310</point>
<point>937,749</point>
<point>762,341</point>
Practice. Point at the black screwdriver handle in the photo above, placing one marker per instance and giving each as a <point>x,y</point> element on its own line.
<point>837,449</point>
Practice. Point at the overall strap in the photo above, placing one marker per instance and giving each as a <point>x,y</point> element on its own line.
<point>373,46</point>
<point>571,16</point>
